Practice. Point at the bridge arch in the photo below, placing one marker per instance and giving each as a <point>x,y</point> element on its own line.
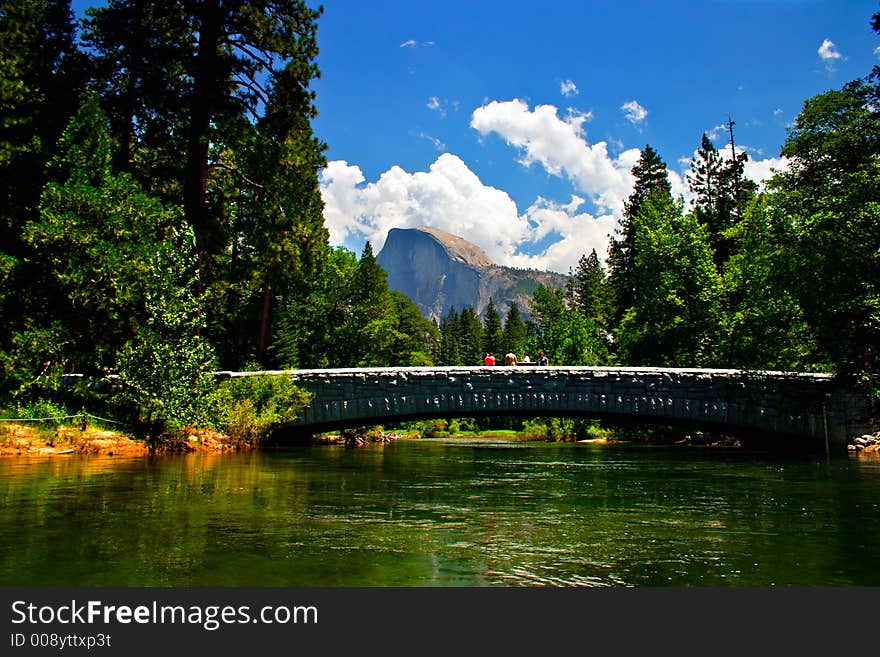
<point>807,405</point>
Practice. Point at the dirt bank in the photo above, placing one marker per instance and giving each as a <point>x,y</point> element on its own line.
<point>29,440</point>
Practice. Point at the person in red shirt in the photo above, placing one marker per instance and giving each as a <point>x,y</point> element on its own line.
<point>490,359</point>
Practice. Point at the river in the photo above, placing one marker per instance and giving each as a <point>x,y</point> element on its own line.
<point>443,512</point>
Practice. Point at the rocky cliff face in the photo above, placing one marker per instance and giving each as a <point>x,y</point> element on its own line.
<point>439,271</point>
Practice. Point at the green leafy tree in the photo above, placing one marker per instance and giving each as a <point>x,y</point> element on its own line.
<point>120,266</point>
<point>831,191</point>
<point>562,333</point>
<point>167,368</point>
<point>764,325</point>
<point>414,337</point>
<point>310,331</point>
<point>675,320</point>
<point>95,238</point>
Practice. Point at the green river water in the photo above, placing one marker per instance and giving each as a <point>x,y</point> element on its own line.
<point>450,512</point>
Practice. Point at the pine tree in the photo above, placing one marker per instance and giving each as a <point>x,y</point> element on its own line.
<point>369,307</point>
<point>290,240</point>
<point>721,194</point>
<point>471,336</point>
<point>493,334</point>
<point>450,340</point>
<point>650,178</point>
<point>589,289</point>
<point>515,331</point>
<point>205,72</point>
<point>142,81</point>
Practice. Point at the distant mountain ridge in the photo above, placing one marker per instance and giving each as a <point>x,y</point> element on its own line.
<point>439,271</point>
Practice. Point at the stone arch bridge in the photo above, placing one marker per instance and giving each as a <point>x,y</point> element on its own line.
<point>806,405</point>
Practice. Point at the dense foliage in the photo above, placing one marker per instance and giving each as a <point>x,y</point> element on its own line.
<point>161,215</point>
<point>161,218</point>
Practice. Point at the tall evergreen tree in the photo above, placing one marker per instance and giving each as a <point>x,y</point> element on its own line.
<point>142,81</point>
<point>588,288</point>
<point>238,48</point>
<point>368,302</point>
<point>493,333</point>
<point>721,193</point>
<point>471,335</point>
<point>450,339</point>
<point>289,235</point>
<point>515,331</point>
<point>650,177</point>
<point>562,333</point>
<point>209,78</point>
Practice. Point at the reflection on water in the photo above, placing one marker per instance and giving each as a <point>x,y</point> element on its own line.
<point>442,513</point>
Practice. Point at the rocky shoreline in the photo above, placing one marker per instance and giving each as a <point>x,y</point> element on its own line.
<point>869,443</point>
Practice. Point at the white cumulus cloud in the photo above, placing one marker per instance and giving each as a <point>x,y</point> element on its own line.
<point>560,147</point>
<point>568,88</point>
<point>634,112</point>
<point>828,50</point>
<point>829,54</point>
<point>763,170</point>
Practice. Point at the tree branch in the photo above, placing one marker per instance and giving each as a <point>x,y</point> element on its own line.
<point>223,165</point>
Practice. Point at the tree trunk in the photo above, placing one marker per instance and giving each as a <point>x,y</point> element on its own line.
<point>206,78</point>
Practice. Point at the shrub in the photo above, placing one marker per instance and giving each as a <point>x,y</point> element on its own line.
<point>250,407</point>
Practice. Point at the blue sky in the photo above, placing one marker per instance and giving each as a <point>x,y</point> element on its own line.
<point>515,123</point>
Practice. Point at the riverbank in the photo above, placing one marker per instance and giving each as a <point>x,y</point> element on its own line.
<point>20,439</point>
<point>30,440</point>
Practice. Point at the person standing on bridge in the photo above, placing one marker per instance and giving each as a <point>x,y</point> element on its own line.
<point>510,358</point>
<point>489,360</point>
<point>526,360</point>
<point>542,359</point>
